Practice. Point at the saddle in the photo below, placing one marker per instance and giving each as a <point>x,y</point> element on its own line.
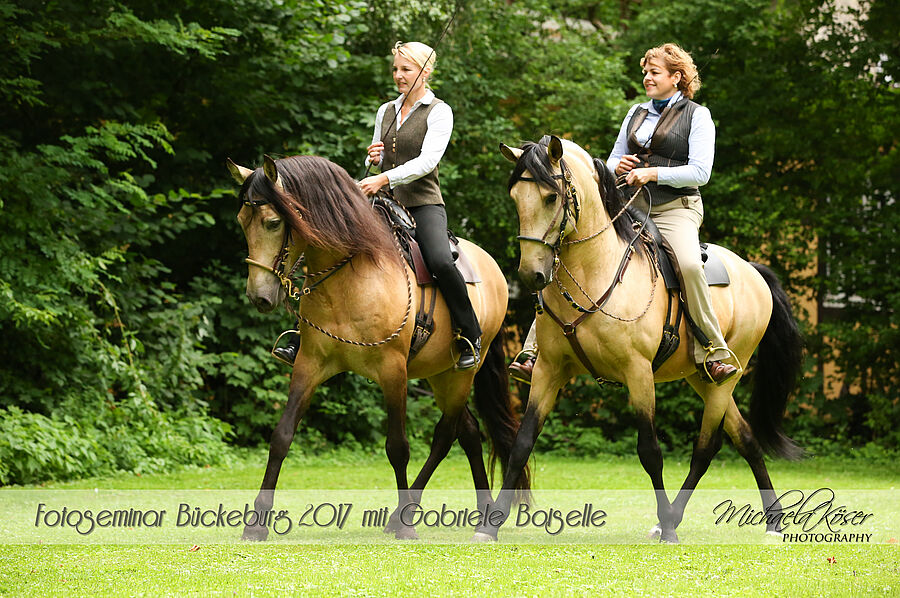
<point>403,226</point>
<point>664,257</point>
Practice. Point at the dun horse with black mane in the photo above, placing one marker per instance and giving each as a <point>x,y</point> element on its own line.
<point>355,316</point>
<point>574,231</point>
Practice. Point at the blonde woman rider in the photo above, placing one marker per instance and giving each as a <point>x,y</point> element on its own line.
<point>416,128</point>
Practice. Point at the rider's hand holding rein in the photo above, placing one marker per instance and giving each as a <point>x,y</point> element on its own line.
<point>627,163</point>
<point>641,176</point>
<point>371,185</point>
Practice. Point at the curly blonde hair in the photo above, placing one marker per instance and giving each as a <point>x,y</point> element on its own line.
<point>676,60</point>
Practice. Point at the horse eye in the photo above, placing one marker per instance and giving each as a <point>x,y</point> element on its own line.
<point>272,224</point>
<point>550,199</point>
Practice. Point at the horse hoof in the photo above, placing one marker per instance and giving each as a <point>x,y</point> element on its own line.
<point>668,537</point>
<point>393,526</point>
<point>255,534</point>
<point>482,537</point>
<point>654,533</point>
<point>406,533</point>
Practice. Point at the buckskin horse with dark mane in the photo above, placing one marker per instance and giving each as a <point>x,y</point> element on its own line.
<point>358,297</point>
<point>606,317</point>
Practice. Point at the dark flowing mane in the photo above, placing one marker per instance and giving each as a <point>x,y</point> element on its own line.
<point>324,206</point>
<point>536,160</point>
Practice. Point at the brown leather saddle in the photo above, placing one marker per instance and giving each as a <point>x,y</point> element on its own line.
<point>404,228</point>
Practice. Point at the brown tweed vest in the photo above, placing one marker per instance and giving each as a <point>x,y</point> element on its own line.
<point>668,146</point>
<point>401,147</point>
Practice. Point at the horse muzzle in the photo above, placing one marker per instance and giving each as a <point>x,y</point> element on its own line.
<point>264,298</point>
<point>535,279</point>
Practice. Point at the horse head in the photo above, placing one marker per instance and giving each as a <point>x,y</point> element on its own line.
<point>547,189</point>
<point>303,205</point>
<point>271,246</point>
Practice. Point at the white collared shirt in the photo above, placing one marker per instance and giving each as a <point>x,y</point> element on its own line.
<point>701,146</point>
<point>440,126</point>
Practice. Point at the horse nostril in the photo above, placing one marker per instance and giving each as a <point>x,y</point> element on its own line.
<point>261,303</point>
<point>539,278</point>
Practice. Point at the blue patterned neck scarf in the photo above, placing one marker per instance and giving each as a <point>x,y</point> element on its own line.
<point>660,105</point>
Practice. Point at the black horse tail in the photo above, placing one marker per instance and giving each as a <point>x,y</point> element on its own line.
<point>778,366</point>
<point>498,412</point>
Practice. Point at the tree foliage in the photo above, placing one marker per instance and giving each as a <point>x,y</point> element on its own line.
<point>127,341</point>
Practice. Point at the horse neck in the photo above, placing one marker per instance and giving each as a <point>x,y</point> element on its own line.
<point>603,251</point>
<point>320,259</point>
<point>356,277</point>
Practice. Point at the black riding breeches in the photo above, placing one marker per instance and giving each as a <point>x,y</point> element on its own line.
<point>431,234</point>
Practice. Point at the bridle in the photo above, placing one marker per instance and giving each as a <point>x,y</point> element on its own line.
<point>278,267</point>
<point>296,293</point>
<point>568,208</point>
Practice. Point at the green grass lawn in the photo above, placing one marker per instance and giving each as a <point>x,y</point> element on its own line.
<point>424,569</point>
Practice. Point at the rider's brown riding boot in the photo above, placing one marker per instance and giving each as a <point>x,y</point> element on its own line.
<point>522,367</point>
<point>720,372</point>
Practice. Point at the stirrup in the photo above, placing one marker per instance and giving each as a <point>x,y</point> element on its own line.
<point>275,346</point>
<point>456,358</point>
<point>513,370</point>
<point>709,351</point>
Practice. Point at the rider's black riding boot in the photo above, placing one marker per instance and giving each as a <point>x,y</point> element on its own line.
<point>469,353</point>
<point>288,353</point>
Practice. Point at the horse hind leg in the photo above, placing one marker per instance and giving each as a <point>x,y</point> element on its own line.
<point>469,437</point>
<point>451,392</point>
<point>742,437</point>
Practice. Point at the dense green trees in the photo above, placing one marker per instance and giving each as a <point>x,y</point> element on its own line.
<point>127,343</point>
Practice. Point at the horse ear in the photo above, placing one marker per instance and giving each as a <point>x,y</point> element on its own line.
<point>510,153</point>
<point>271,171</point>
<point>237,171</point>
<point>555,149</point>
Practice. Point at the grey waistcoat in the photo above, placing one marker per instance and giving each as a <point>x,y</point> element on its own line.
<point>668,146</point>
<point>400,148</point>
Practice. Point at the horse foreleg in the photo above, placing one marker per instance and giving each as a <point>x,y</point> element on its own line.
<point>397,444</point>
<point>709,441</point>
<point>642,397</point>
<point>301,392</point>
<point>742,437</point>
